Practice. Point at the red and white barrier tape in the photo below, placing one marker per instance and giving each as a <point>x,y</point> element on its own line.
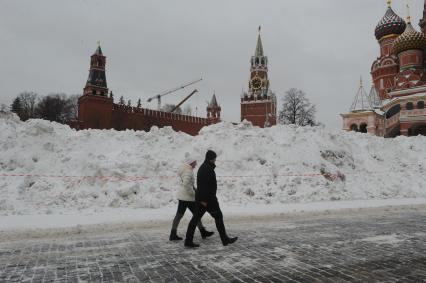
<point>139,178</point>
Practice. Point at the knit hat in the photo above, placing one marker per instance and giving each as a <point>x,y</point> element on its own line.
<point>189,160</point>
<point>210,155</point>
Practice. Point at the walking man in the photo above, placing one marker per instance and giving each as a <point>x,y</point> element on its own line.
<point>186,197</point>
<point>206,201</point>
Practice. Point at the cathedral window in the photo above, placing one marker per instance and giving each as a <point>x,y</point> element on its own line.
<point>354,127</point>
<point>420,105</point>
<point>409,106</point>
<point>363,128</point>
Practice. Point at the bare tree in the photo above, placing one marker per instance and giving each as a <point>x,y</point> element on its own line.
<point>297,109</point>
<point>55,107</point>
<point>28,102</point>
<point>16,107</point>
<point>72,106</point>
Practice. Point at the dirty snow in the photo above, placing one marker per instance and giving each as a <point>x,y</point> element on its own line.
<point>137,170</point>
<point>392,239</point>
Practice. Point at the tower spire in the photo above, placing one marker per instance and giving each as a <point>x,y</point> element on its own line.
<point>362,101</point>
<point>408,15</point>
<point>259,46</point>
<point>98,49</point>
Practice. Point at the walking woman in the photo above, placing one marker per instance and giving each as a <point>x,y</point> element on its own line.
<point>186,197</point>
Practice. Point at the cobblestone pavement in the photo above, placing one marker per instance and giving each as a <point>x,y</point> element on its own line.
<point>384,246</point>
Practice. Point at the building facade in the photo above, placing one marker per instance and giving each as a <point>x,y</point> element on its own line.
<point>259,105</point>
<point>396,103</point>
<point>97,110</point>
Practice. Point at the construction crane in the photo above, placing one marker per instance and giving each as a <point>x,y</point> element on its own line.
<point>185,99</point>
<point>158,96</point>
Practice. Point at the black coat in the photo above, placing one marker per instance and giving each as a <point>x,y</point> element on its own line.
<point>206,183</point>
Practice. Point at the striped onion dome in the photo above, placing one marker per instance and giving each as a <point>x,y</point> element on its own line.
<point>409,40</point>
<point>391,23</point>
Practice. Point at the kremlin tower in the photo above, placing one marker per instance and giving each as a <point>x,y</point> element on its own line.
<point>258,105</point>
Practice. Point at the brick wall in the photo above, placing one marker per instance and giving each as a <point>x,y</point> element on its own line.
<point>255,112</point>
<point>97,112</point>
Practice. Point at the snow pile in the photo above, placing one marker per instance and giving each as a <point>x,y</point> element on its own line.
<point>253,166</point>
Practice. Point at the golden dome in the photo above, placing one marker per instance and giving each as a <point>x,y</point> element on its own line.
<point>409,40</point>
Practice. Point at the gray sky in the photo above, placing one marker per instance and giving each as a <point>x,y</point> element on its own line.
<point>319,46</point>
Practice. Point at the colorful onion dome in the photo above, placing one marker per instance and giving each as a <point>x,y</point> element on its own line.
<point>409,40</point>
<point>391,23</point>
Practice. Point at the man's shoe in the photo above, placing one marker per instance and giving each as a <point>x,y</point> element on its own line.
<point>229,241</point>
<point>191,245</point>
<point>174,236</point>
<point>205,233</point>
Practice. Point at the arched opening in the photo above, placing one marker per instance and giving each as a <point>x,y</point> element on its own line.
<point>363,128</point>
<point>354,127</point>
<point>94,92</point>
<point>420,105</point>
<point>257,61</point>
<point>409,106</point>
<point>263,61</point>
<point>418,130</point>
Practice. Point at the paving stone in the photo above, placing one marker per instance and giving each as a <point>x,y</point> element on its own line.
<point>388,247</point>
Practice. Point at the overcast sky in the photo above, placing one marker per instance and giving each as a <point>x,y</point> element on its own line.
<point>319,46</point>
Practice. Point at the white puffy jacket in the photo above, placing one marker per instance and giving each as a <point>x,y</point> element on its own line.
<point>186,191</point>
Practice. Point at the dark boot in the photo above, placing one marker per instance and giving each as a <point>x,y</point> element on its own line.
<point>191,245</point>
<point>229,241</point>
<point>205,233</point>
<point>174,236</point>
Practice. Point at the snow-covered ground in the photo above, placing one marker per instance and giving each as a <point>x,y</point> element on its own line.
<point>128,218</point>
<point>99,171</point>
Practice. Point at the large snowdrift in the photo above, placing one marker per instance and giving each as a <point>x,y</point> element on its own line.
<point>254,166</point>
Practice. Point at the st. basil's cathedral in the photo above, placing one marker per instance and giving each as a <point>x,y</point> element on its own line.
<point>395,105</point>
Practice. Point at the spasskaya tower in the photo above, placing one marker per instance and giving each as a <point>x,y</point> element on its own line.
<point>258,105</point>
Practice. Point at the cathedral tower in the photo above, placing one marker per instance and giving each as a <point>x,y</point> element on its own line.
<point>410,47</point>
<point>386,66</point>
<point>258,106</point>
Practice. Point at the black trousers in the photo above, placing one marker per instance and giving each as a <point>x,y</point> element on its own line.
<point>213,209</point>
<point>182,206</point>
